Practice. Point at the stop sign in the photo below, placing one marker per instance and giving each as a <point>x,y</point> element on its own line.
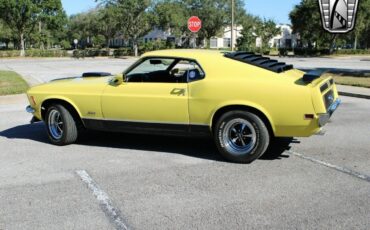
<point>194,24</point>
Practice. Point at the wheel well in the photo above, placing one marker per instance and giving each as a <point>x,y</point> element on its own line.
<point>255,111</point>
<point>46,104</point>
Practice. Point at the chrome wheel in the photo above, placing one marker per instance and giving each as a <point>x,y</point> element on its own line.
<point>55,124</point>
<point>239,137</point>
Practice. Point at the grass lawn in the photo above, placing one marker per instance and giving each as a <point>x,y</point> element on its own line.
<point>353,81</point>
<point>12,83</point>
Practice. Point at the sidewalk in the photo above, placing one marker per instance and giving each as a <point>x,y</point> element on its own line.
<point>13,99</point>
<point>12,103</point>
<point>354,91</point>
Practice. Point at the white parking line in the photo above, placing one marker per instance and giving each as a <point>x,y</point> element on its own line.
<point>338,168</point>
<point>104,201</point>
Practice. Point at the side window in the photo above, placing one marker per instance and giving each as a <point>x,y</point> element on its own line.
<point>165,70</point>
<point>152,70</point>
<point>189,71</point>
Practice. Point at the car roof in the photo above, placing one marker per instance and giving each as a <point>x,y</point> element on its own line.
<point>196,54</point>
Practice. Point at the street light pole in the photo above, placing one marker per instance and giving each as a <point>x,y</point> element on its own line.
<point>232,25</point>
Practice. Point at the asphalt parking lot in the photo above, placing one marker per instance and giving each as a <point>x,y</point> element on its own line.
<point>114,181</point>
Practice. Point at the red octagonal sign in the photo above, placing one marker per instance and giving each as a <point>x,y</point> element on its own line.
<point>194,24</point>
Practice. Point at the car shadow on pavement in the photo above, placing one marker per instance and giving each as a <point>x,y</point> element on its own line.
<point>203,148</point>
<point>277,148</point>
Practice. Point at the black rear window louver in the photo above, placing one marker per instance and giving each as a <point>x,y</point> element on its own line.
<point>259,61</point>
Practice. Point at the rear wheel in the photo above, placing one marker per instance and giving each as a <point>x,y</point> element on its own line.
<point>61,126</point>
<point>241,136</point>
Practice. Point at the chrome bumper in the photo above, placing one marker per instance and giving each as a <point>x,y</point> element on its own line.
<point>29,109</point>
<point>324,118</point>
<point>34,119</point>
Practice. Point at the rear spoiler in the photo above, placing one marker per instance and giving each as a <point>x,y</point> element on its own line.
<point>96,74</point>
<point>313,75</point>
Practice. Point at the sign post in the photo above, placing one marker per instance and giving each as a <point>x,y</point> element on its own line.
<point>194,25</point>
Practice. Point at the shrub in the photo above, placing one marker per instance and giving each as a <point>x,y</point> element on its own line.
<point>155,45</point>
<point>305,52</point>
<point>90,53</point>
<point>352,51</point>
<point>122,52</point>
<point>66,44</point>
<point>46,53</point>
<point>9,53</point>
<point>34,53</point>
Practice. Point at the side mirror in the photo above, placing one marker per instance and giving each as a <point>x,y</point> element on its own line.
<point>117,80</point>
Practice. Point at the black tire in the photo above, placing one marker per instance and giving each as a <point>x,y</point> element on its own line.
<point>69,133</point>
<point>233,140</point>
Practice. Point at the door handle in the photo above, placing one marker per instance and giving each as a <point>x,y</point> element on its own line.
<point>178,92</point>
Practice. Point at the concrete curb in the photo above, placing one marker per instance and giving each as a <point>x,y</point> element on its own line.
<point>354,95</point>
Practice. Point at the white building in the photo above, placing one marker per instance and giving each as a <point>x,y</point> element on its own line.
<point>286,39</point>
<point>224,42</point>
<point>157,34</point>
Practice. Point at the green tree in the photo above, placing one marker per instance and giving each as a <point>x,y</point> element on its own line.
<point>171,15</point>
<point>6,35</point>
<point>362,28</point>
<point>214,15</point>
<point>106,23</point>
<point>253,28</point>
<point>247,41</point>
<point>83,27</point>
<point>306,21</point>
<point>134,19</point>
<point>22,16</point>
<point>266,30</point>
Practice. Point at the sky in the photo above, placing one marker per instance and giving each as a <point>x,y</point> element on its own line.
<point>278,10</point>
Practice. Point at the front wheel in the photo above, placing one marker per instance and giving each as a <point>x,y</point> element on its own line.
<point>61,126</point>
<point>241,136</point>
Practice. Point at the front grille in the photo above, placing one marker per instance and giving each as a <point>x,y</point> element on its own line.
<point>329,99</point>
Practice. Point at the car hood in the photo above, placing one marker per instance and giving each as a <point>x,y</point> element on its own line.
<point>72,85</point>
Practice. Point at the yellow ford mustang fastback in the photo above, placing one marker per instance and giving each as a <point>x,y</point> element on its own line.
<point>241,99</point>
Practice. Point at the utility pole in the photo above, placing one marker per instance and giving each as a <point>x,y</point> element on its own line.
<point>232,25</point>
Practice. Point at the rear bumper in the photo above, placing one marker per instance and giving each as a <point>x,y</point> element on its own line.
<point>324,118</point>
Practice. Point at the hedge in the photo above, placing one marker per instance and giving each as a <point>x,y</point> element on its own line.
<point>10,53</point>
<point>352,51</point>
<point>90,53</point>
<point>46,53</point>
<point>122,52</point>
<point>318,52</point>
<point>34,53</point>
